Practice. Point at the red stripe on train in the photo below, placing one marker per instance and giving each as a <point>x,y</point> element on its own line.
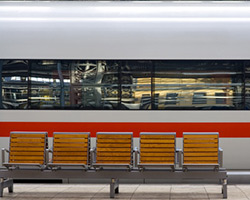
<point>225,129</point>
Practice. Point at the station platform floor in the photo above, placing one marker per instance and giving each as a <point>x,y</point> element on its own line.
<point>127,191</point>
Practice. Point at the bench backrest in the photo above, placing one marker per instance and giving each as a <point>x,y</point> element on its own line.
<point>28,147</point>
<point>157,148</point>
<point>114,148</point>
<point>200,148</point>
<point>71,148</point>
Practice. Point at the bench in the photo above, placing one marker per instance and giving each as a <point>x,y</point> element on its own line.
<point>157,150</point>
<point>70,149</point>
<point>200,150</point>
<point>27,149</point>
<point>113,158</point>
<point>114,150</point>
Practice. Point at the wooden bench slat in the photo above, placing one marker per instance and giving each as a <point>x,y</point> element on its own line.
<point>201,149</point>
<point>200,145</point>
<point>66,153</point>
<point>157,145</point>
<point>26,153</point>
<point>27,145</point>
<point>26,162</point>
<point>157,136</point>
<point>71,140</point>
<point>113,154</point>
<point>200,158</point>
<point>201,141</point>
<point>26,157</point>
<point>201,154</point>
<point>27,140</point>
<point>58,136</point>
<point>70,145</point>
<point>122,141</point>
<point>160,141</point>
<point>114,149</point>
<point>70,162</point>
<point>157,159</point>
<point>200,162</point>
<point>160,150</point>
<point>114,158</point>
<point>158,162</point>
<point>69,158</point>
<point>76,149</point>
<point>199,136</point>
<point>113,145</point>
<point>114,136</point>
<point>113,162</point>
<point>157,154</point>
<point>29,135</point>
<point>30,149</point>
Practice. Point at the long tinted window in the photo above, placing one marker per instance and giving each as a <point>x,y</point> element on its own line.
<point>120,84</point>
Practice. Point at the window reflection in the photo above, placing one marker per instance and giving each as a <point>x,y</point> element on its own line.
<point>94,84</point>
<point>14,84</point>
<point>49,85</point>
<point>199,84</point>
<point>136,85</point>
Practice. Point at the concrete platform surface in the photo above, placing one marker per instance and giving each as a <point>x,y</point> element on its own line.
<point>127,191</point>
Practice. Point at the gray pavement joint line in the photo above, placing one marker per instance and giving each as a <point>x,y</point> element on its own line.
<point>206,192</point>
<point>242,191</point>
<point>67,188</point>
<point>170,192</point>
<point>135,191</point>
<point>98,192</point>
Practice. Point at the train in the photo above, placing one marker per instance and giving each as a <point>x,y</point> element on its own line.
<point>129,66</point>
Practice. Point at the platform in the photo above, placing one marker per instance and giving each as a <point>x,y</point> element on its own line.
<point>127,191</point>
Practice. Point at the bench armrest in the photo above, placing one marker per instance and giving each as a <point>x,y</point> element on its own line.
<point>3,154</point>
<point>136,153</point>
<point>92,156</point>
<point>179,153</point>
<point>47,155</point>
<point>220,157</point>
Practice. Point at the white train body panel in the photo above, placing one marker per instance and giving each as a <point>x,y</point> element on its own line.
<point>124,30</point>
<point>129,30</point>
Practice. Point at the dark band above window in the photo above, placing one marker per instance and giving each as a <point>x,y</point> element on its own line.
<point>120,85</point>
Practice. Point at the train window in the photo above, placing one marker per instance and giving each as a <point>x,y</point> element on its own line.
<point>136,85</point>
<point>49,88</point>
<point>14,84</point>
<point>198,84</point>
<point>94,84</point>
<point>121,84</point>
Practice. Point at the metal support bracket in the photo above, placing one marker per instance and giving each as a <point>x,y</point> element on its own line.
<point>6,183</point>
<point>114,187</point>
<point>136,154</point>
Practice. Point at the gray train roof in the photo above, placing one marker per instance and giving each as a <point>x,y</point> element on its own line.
<point>124,30</point>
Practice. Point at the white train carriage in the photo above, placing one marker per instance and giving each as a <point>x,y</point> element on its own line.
<point>127,66</point>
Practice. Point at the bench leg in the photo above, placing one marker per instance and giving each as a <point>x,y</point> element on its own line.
<point>1,186</point>
<point>224,188</point>
<point>10,187</point>
<point>114,187</point>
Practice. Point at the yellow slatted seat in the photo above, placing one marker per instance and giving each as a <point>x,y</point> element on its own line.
<point>157,149</point>
<point>114,149</point>
<point>27,148</point>
<point>200,149</point>
<point>70,149</point>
